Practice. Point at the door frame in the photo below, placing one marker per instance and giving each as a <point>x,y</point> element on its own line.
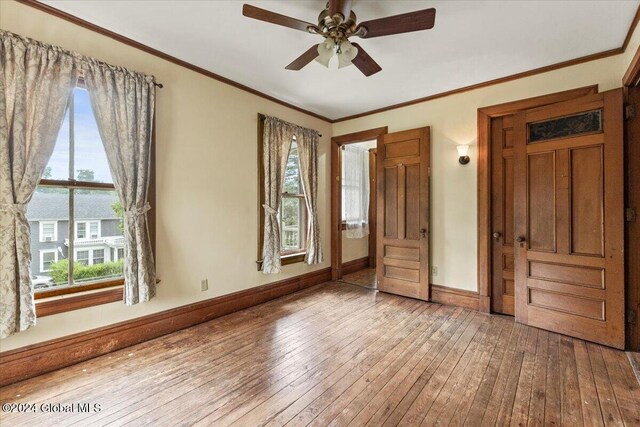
<point>336,192</point>
<point>631,80</point>
<point>485,114</point>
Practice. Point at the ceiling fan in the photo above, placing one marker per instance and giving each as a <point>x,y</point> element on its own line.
<point>336,23</point>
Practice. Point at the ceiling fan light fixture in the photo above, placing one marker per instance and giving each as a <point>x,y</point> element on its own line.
<point>346,53</point>
<point>326,50</point>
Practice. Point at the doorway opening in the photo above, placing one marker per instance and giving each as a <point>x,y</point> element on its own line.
<point>353,213</point>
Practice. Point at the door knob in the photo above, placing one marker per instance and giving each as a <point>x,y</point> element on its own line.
<point>497,235</point>
<point>423,231</point>
<point>519,239</point>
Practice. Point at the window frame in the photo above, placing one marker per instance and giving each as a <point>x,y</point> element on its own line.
<point>287,257</point>
<point>41,225</point>
<point>47,251</point>
<point>99,292</point>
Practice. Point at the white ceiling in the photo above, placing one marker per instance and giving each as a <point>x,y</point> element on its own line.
<point>472,42</point>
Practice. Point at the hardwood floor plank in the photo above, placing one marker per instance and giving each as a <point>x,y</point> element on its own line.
<point>344,355</point>
<point>539,382</point>
<point>592,414</point>
<point>608,404</point>
<point>553,400</point>
<point>571,407</point>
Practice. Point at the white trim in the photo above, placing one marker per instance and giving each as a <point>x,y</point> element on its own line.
<point>44,251</point>
<point>55,231</point>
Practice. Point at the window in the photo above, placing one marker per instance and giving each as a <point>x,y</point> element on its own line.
<point>292,215</point>
<point>87,229</point>
<point>47,257</point>
<point>76,197</point>
<point>48,231</point>
<point>293,210</point>
<point>98,256</point>
<point>82,257</point>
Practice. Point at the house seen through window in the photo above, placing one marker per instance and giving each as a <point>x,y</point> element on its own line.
<point>75,216</point>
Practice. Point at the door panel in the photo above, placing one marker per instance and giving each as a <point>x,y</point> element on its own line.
<point>403,210</point>
<point>502,215</point>
<point>569,247</point>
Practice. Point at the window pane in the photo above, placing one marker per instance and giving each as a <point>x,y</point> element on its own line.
<point>94,229</point>
<point>58,166</point>
<point>101,214</point>
<point>98,256</point>
<point>82,257</point>
<point>90,159</point>
<point>292,173</point>
<point>292,223</point>
<point>81,230</point>
<point>49,204</point>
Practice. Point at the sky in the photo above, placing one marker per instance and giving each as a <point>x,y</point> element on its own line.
<point>89,152</point>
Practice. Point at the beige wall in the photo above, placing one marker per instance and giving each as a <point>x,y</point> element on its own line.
<point>206,135</point>
<point>453,187</point>
<point>206,179</point>
<point>632,48</point>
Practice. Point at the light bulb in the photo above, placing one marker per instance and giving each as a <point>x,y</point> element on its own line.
<point>326,50</point>
<point>463,150</point>
<point>346,53</point>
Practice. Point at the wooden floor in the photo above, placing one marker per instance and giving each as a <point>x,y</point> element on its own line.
<point>365,277</point>
<point>345,355</point>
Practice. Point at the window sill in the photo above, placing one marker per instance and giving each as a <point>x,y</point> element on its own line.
<point>55,304</point>
<point>286,259</point>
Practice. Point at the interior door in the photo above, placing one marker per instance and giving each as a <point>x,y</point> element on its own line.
<point>502,286</point>
<point>402,265</point>
<point>569,218</point>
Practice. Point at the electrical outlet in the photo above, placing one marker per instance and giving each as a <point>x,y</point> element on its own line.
<point>434,270</point>
<point>204,284</point>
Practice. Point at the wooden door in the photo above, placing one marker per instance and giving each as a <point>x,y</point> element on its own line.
<point>402,265</point>
<point>569,218</point>
<point>372,207</point>
<point>502,292</point>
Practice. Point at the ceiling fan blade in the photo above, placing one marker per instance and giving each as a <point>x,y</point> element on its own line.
<point>397,24</point>
<point>302,60</point>
<point>275,18</point>
<point>340,6</point>
<point>364,62</point>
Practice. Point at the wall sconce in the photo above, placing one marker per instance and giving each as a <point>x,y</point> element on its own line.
<point>463,150</point>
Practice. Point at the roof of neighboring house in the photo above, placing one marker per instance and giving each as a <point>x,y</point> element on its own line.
<point>55,206</point>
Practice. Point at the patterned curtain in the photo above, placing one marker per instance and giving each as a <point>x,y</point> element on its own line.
<point>124,103</point>
<point>276,142</point>
<point>308,141</point>
<point>36,82</point>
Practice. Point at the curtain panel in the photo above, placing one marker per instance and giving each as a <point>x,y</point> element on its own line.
<point>123,103</point>
<point>36,82</point>
<point>276,139</point>
<point>355,191</point>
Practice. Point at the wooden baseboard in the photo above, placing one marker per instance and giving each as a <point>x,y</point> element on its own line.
<point>37,359</point>
<point>452,296</point>
<point>355,265</point>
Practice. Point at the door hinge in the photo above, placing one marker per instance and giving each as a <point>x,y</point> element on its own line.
<point>629,112</point>
<point>630,214</point>
<point>632,316</point>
